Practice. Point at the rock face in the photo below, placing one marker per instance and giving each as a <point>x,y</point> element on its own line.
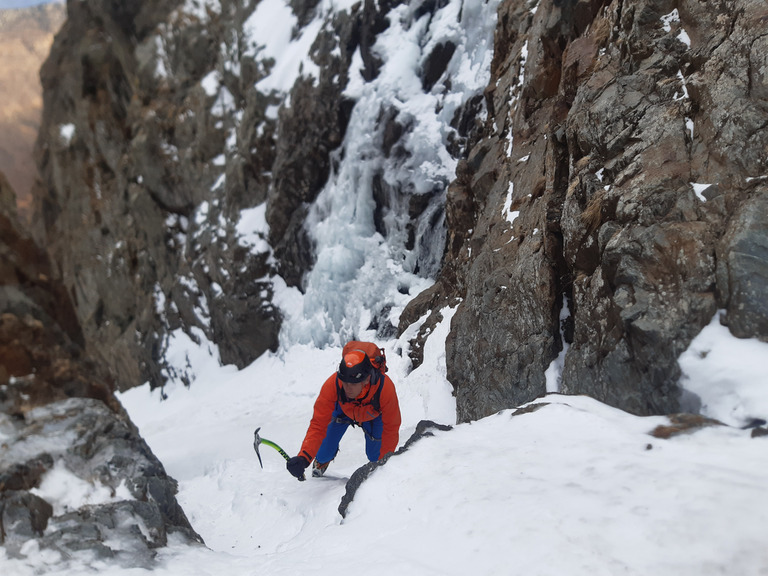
<point>611,200</point>
<point>60,422</point>
<point>134,191</point>
<point>41,343</point>
<point>587,198</point>
<point>133,509</point>
<point>159,133</point>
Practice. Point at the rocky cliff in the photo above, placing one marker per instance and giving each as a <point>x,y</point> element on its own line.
<point>60,422</point>
<point>131,159</point>
<point>609,193</point>
<point>616,200</point>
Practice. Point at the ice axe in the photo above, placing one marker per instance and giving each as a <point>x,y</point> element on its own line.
<point>257,440</point>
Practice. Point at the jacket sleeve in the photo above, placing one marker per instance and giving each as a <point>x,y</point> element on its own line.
<point>390,418</point>
<point>321,417</point>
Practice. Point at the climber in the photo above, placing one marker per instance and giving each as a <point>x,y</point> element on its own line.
<point>358,394</point>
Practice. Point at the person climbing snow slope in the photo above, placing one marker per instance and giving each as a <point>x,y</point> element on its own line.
<point>358,394</point>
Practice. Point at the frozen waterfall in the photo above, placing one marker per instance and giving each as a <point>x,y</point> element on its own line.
<point>368,265</point>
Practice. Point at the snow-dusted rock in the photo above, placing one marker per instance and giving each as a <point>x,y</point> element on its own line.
<point>76,476</point>
<point>602,117</point>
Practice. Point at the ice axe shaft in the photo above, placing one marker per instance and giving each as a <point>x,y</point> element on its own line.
<point>258,440</point>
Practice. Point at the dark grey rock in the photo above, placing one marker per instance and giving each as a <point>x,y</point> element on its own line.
<point>126,532</point>
<point>743,268</point>
<point>7,197</point>
<point>58,414</point>
<point>149,261</point>
<point>22,516</point>
<point>25,475</point>
<point>101,447</point>
<point>608,223</point>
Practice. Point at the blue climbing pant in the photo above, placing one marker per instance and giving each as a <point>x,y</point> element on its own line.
<point>336,429</point>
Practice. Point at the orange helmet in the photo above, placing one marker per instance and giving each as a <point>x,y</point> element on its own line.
<point>354,367</point>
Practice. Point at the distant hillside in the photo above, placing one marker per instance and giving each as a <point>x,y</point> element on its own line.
<point>26,35</point>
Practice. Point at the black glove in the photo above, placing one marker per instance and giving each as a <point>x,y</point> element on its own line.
<point>297,465</point>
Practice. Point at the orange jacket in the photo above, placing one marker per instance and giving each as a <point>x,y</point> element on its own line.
<point>358,412</point>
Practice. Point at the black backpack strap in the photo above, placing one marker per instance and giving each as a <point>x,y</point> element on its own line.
<point>376,400</point>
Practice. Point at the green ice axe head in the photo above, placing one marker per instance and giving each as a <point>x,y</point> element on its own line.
<point>258,440</point>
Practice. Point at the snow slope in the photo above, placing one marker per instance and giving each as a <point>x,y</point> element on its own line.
<point>573,488</point>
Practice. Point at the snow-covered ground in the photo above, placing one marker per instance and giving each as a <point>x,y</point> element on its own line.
<point>574,488</point>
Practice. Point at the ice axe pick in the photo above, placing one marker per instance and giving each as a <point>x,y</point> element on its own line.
<point>258,440</point>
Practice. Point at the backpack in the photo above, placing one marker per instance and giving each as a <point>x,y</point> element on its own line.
<point>375,354</point>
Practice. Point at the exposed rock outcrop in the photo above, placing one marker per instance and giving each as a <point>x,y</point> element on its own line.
<point>41,355</point>
<point>133,509</point>
<point>611,117</point>
<point>682,424</point>
<point>136,205</point>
